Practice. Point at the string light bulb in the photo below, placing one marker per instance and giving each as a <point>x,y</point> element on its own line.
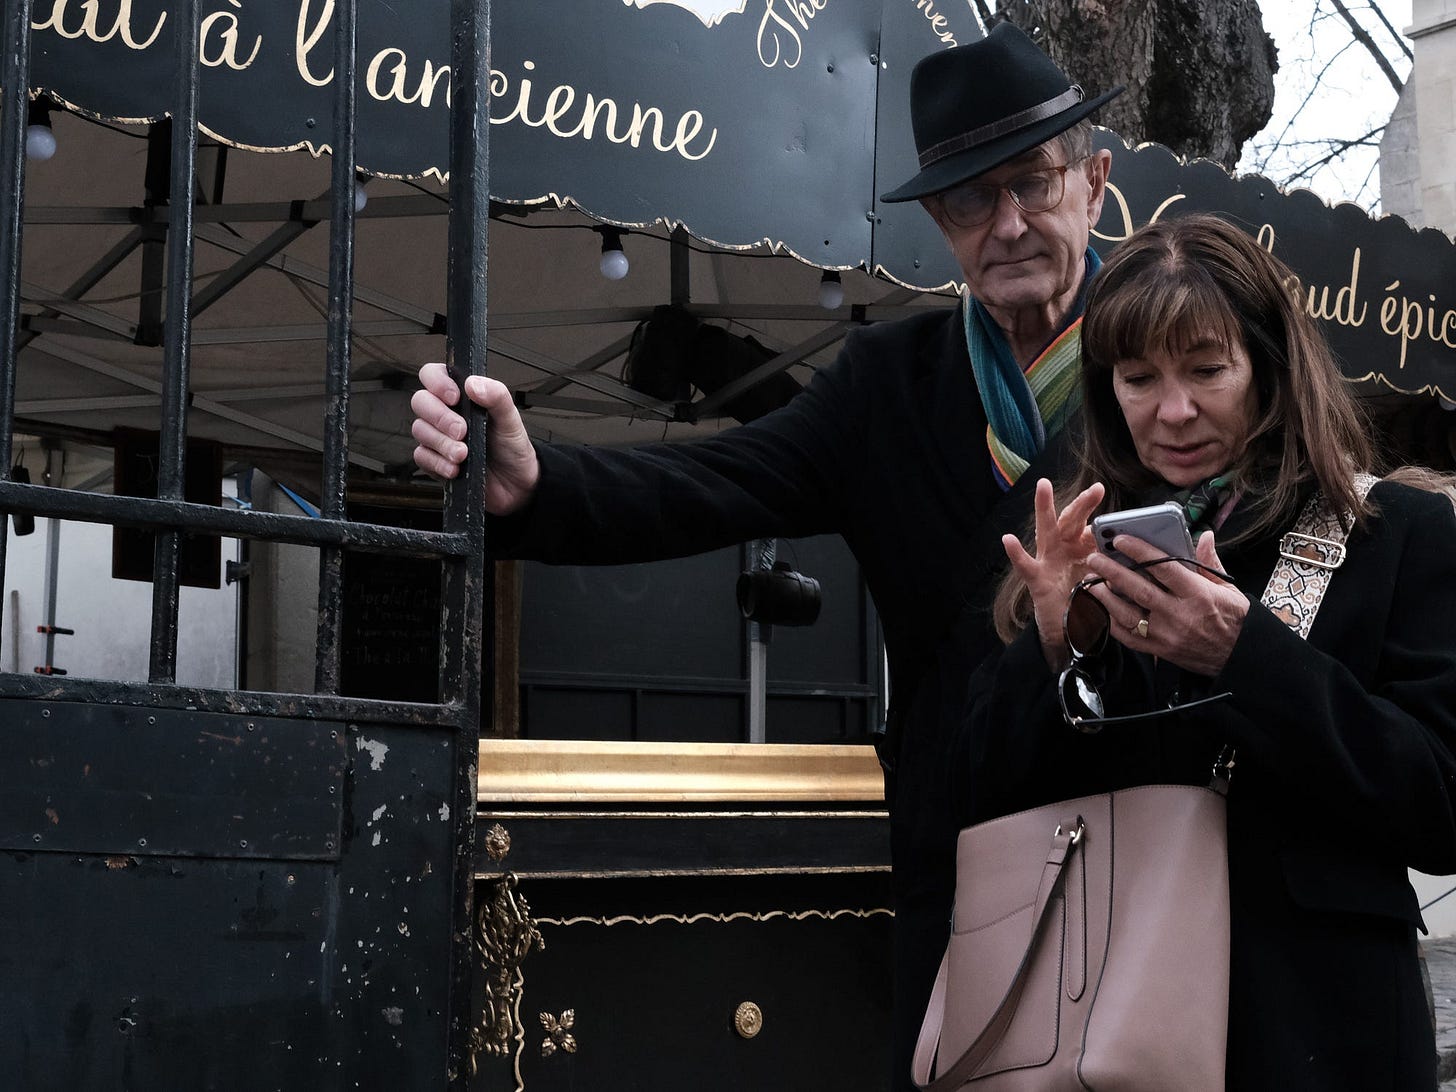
<point>40,139</point>
<point>613,263</point>
<point>361,195</point>
<point>831,291</point>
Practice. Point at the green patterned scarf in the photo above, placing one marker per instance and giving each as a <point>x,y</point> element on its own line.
<point>1204,501</point>
<point>1024,408</point>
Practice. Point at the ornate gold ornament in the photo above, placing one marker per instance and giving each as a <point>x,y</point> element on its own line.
<point>558,1032</point>
<point>505,935</point>
<point>748,1020</point>
<point>497,842</point>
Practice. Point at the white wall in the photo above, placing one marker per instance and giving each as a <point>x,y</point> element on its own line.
<point>1427,197</point>
<point>1440,918</point>
<point>1433,32</point>
<point>112,618</point>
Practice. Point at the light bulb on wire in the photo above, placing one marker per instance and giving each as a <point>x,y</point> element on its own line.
<point>361,195</point>
<point>613,263</point>
<point>831,291</point>
<point>40,139</point>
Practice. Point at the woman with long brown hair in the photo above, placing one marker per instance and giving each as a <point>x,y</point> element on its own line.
<point>1204,383</point>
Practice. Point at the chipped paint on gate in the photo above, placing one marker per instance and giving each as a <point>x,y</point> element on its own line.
<point>378,751</point>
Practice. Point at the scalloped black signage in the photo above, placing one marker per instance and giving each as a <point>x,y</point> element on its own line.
<point>745,120</point>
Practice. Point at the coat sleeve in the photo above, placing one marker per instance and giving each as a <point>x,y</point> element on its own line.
<point>1366,747</point>
<point>1015,751</point>
<point>784,474</point>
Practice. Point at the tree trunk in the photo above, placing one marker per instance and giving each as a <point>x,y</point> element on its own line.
<point>1199,73</point>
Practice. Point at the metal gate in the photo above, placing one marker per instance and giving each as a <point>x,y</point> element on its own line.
<point>209,889</point>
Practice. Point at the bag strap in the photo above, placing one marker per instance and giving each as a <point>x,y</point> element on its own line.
<point>1064,841</point>
<point>1309,554</point>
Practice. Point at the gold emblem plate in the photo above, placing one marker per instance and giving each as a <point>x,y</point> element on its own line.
<point>748,1020</point>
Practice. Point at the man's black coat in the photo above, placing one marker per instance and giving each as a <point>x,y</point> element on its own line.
<point>886,447</point>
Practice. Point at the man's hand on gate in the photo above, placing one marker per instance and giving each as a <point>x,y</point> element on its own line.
<point>511,467</point>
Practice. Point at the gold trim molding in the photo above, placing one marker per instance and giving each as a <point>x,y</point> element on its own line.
<point>719,918</point>
<point>600,772</point>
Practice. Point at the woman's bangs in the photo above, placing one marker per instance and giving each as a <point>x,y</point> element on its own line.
<point>1158,312</point>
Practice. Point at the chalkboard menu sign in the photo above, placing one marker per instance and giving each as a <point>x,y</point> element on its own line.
<point>389,644</point>
<point>199,558</point>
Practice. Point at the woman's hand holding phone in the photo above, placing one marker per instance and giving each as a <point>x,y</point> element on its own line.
<point>1192,618</point>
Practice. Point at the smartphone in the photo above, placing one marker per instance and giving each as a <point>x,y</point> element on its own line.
<point>1161,525</point>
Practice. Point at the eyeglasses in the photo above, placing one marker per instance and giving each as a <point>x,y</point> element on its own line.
<point>971,204</point>
<point>1078,686</point>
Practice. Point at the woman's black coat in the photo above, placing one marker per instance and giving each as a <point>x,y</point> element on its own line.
<point>887,448</point>
<point>1345,776</point>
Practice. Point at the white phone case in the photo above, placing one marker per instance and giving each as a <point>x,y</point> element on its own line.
<point>1161,525</point>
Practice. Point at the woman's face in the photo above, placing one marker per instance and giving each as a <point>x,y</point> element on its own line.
<point>1189,412</point>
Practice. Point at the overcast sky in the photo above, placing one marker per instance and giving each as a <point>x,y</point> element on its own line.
<point>1353,97</point>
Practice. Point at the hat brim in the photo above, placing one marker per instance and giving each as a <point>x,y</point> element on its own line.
<point>953,169</point>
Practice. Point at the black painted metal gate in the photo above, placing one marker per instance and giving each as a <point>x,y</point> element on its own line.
<point>205,889</point>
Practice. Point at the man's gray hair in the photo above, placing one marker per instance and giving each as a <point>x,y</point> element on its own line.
<point>1076,141</point>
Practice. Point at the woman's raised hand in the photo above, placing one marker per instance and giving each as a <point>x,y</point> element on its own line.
<point>1193,619</point>
<point>1063,542</point>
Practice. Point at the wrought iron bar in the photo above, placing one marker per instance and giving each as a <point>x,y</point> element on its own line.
<point>177,348</point>
<point>334,497</point>
<point>145,512</point>
<point>466,663</point>
<point>14,81</point>
<point>208,700</point>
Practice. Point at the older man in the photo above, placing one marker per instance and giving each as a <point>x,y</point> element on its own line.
<point>919,444</point>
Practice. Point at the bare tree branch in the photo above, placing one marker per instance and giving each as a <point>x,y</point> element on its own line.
<point>1340,148</point>
<point>1265,151</point>
<point>1369,43</point>
<point>1399,40</point>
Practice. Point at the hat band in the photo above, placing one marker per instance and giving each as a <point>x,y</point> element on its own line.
<point>1019,120</point>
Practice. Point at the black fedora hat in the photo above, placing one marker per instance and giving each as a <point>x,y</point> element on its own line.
<point>977,105</point>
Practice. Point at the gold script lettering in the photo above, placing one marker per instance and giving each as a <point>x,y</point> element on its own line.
<point>938,22</point>
<point>769,27</point>
<point>305,42</point>
<point>1346,300</point>
<point>1127,225</point>
<point>228,54</point>
<point>1415,318</point>
<point>398,90</point>
<point>1125,228</point>
<point>598,114</point>
<point>1347,310</point>
<point>89,26</point>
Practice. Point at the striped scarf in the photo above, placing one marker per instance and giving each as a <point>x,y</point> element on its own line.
<point>1024,408</point>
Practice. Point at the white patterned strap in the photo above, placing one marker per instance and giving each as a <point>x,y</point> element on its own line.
<point>1308,557</point>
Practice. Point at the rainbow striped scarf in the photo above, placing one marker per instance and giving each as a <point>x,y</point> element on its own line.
<point>1024,408</point>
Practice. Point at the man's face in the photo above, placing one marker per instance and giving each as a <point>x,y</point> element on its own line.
<point>1018,260</point>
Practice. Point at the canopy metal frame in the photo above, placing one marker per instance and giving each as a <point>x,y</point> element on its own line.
<point>67,313</point>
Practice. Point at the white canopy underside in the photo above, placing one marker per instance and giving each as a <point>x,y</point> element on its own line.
<point>259,348</point>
